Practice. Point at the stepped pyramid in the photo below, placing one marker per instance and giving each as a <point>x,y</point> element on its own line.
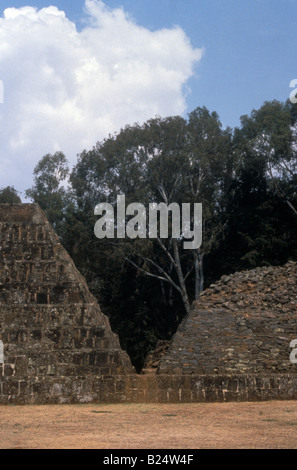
<point>243,324</point>
<point>58,345</point>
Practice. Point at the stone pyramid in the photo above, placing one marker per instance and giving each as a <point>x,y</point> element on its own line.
<point>58,345</point>
<point>243,324</point>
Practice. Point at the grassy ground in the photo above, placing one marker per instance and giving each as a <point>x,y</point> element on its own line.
<point>266,425</point>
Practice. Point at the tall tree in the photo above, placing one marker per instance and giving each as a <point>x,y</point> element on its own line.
<point>270,133</point>
<point>163,161</point>
<point>9,195</point>
<point>212,165</point>
<point>50,190</point>
<point>245,180</point>
<point>260,216</point>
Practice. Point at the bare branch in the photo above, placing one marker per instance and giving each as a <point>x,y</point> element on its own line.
<point>167,252</point>
<point>287,168</point>
<point>189,272</point>
<point>278,189</point>
<point>164,273</point>
<point>147,273</point>
<point>175,185</point>
<point>144,271</point>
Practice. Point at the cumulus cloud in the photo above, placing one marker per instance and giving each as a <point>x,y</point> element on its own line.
<point>65,89</point>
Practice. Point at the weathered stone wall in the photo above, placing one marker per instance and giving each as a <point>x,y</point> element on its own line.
<point>242,325</point>
<point>157,388</point>
<point>51,326</point>
<point>59,348</point>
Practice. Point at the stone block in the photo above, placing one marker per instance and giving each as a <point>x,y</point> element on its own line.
<point>21,366</point>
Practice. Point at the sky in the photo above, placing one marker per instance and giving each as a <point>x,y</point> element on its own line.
<point>72,72</point>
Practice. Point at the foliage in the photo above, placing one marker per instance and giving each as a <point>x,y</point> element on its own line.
<point>49,189</point>
<point>245,179</point>
<point>9,195</point>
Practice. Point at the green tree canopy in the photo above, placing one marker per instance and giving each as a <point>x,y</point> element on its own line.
<point>50,188</point>
<point>9,195</point>
<point>245,179</point>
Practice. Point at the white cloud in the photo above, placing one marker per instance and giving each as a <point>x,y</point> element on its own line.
<point>65,89</point>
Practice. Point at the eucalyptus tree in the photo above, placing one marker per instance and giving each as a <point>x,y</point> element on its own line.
<point>9,195</point>
<point>167,161</point>
<point>270,134</point>
<point>50,188</point>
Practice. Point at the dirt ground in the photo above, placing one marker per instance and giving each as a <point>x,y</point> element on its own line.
<point>265,425</point>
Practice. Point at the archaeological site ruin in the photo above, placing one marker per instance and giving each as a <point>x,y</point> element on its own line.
<point>56,345</point>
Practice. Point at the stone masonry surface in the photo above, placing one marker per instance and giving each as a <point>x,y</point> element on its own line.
<point>51,326</point>
<point>243,324</point>
<point>59,347</point>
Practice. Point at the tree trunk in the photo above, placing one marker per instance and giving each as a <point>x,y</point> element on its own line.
<point>180,275</point>
<point>199,276</point>
<point>170,295</point>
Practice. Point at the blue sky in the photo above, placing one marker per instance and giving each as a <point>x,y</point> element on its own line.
<point>250,46</point>
<point>250,49</point>
<point>249,56</point>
